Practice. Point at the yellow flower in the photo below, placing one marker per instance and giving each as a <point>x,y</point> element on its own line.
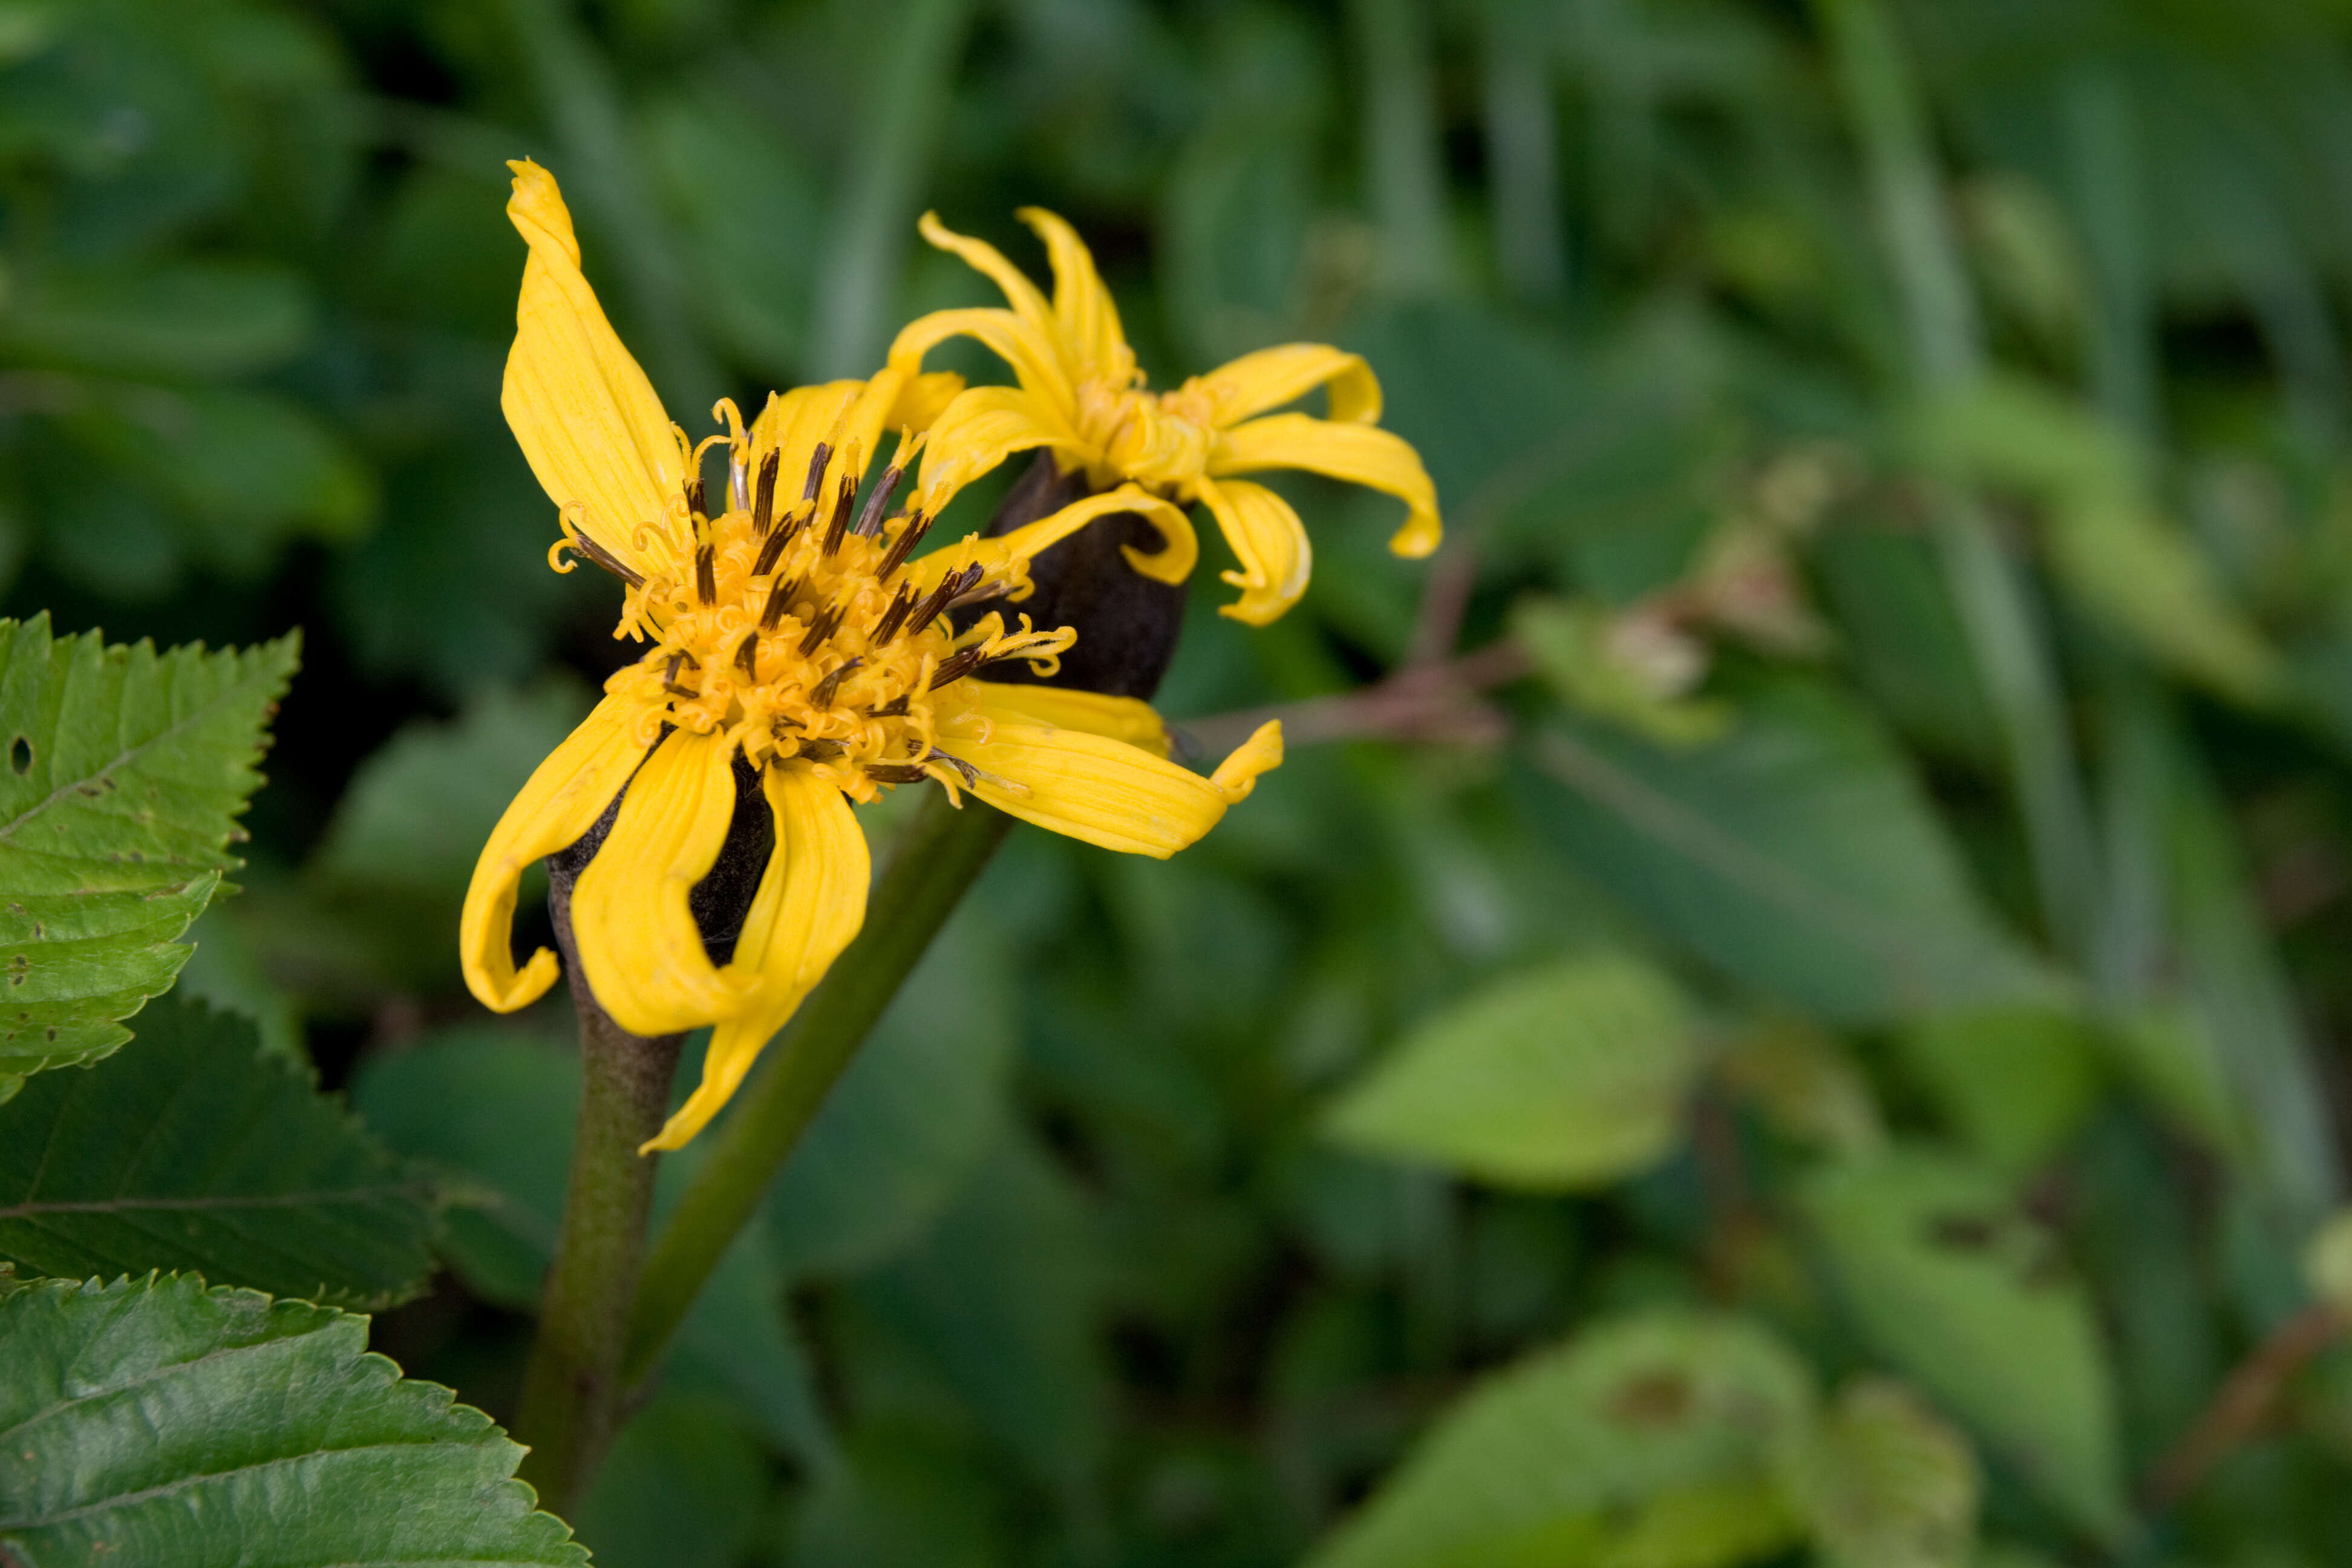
<point>1081,396</point>
<point>793,640</point>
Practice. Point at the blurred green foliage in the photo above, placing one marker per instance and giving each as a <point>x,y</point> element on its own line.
<point>1835,1059</point>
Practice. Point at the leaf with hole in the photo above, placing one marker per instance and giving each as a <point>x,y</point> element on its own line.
<point>1972,1298</point>
<point>126,770</point>
<point>193,1151</point>
<point>155,1421</point>
<point>1649,1438</point>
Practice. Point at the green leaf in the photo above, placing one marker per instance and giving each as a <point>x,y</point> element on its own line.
<point>1886,1483</point>
<point>155,1421</point>
<point>417,812</point>
<point>2015,1082</point>
<point>1551,1461</point>
<point>1969,1296</point>
<point>1568,1078</point>
<point>194,1151</point>
<point>1572,647</point>
<point>1799,854</point>
<point>122,774</point>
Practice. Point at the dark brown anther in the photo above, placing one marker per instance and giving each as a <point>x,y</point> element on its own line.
<point>780,599</point>
<point>830,686</point>
<point>817,460</point>
<point>894,709</point>
<point>955,667</point>
<point>763,503</point>
<point>839,526</point>
<point>971,774</point>
<point>706,583</point>
<point>895,615</point>
<point>770,550</point>
<point>598,555</point>
<point>927,609</point>
<point>901,547</point>
<point>669,676</point>
<point>747,656</point>
<point>895,773</point>
<point>821,750</point>
<point>694,497</point>
<point>869,518</point>
<point>827,622</point>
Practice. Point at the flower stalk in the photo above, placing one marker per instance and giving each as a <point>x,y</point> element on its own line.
<point>940,853</point>
<point>571,1406</point>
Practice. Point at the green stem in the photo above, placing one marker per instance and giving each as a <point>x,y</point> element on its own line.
<point>938,857</point>
<point>572,1389</point>
<point>1403,164</point>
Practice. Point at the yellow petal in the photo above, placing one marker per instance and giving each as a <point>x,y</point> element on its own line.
<point>1107,791</point>
<point>586,416</point>
<point>1027,347</point>
<point>638,943</point>
<point>1128,719</point>
<point>810,903</point>
<point>564,797</point>
<point>982,257</point>
<point>1084,312</point>
<point>1271,377</point>
<point>924,398</point>
<point>1271,542</point>
<point>1172,563</point>
<point>848,414</point>
<point>1357,453</point>
<point>979,429</point>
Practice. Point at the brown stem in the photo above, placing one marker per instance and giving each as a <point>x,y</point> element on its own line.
<point>571,1406</point>
<point>1439,703</point>
<point>2240,1406</point>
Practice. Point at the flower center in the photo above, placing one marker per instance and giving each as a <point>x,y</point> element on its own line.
<point>805,638</point>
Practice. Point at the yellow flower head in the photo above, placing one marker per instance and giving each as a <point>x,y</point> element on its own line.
<point>1081,397</point>
<point>792,635</point>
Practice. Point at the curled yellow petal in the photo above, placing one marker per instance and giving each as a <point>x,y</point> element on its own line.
<point>1271,377</point>
<point>639,947</point>
<point>1026,346</point>
<point>1083,308</point>
<point>979,429</point>
<point>583,413</point>
<point>982,257</point>
<point>562,799</point>
<point>1106,792</point>
<point>1128,719</point>
<point>810,903</point>
<point>1357,453</point>
<point>1173,563</point>
<point>1271,543</point>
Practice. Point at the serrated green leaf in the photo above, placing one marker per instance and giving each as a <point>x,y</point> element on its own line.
<point>1799,854</point>
<point>1886,1483</point>
<point>1551,1461</point>
<point>122,774</point>
<point>193,1151</point>
<point>155,1421</point>
<point>1969,1296</point>
<point>1570,1076</point>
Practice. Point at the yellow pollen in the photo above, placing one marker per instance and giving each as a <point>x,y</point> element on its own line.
<point>808,643</point>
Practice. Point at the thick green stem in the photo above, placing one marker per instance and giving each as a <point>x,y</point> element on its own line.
<point>572,1389</point>
<point>938,857</point>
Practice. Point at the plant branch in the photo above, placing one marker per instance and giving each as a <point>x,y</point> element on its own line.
<point>2240,1406</point>
<point>938,857</point>
<point>1439,703</point>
